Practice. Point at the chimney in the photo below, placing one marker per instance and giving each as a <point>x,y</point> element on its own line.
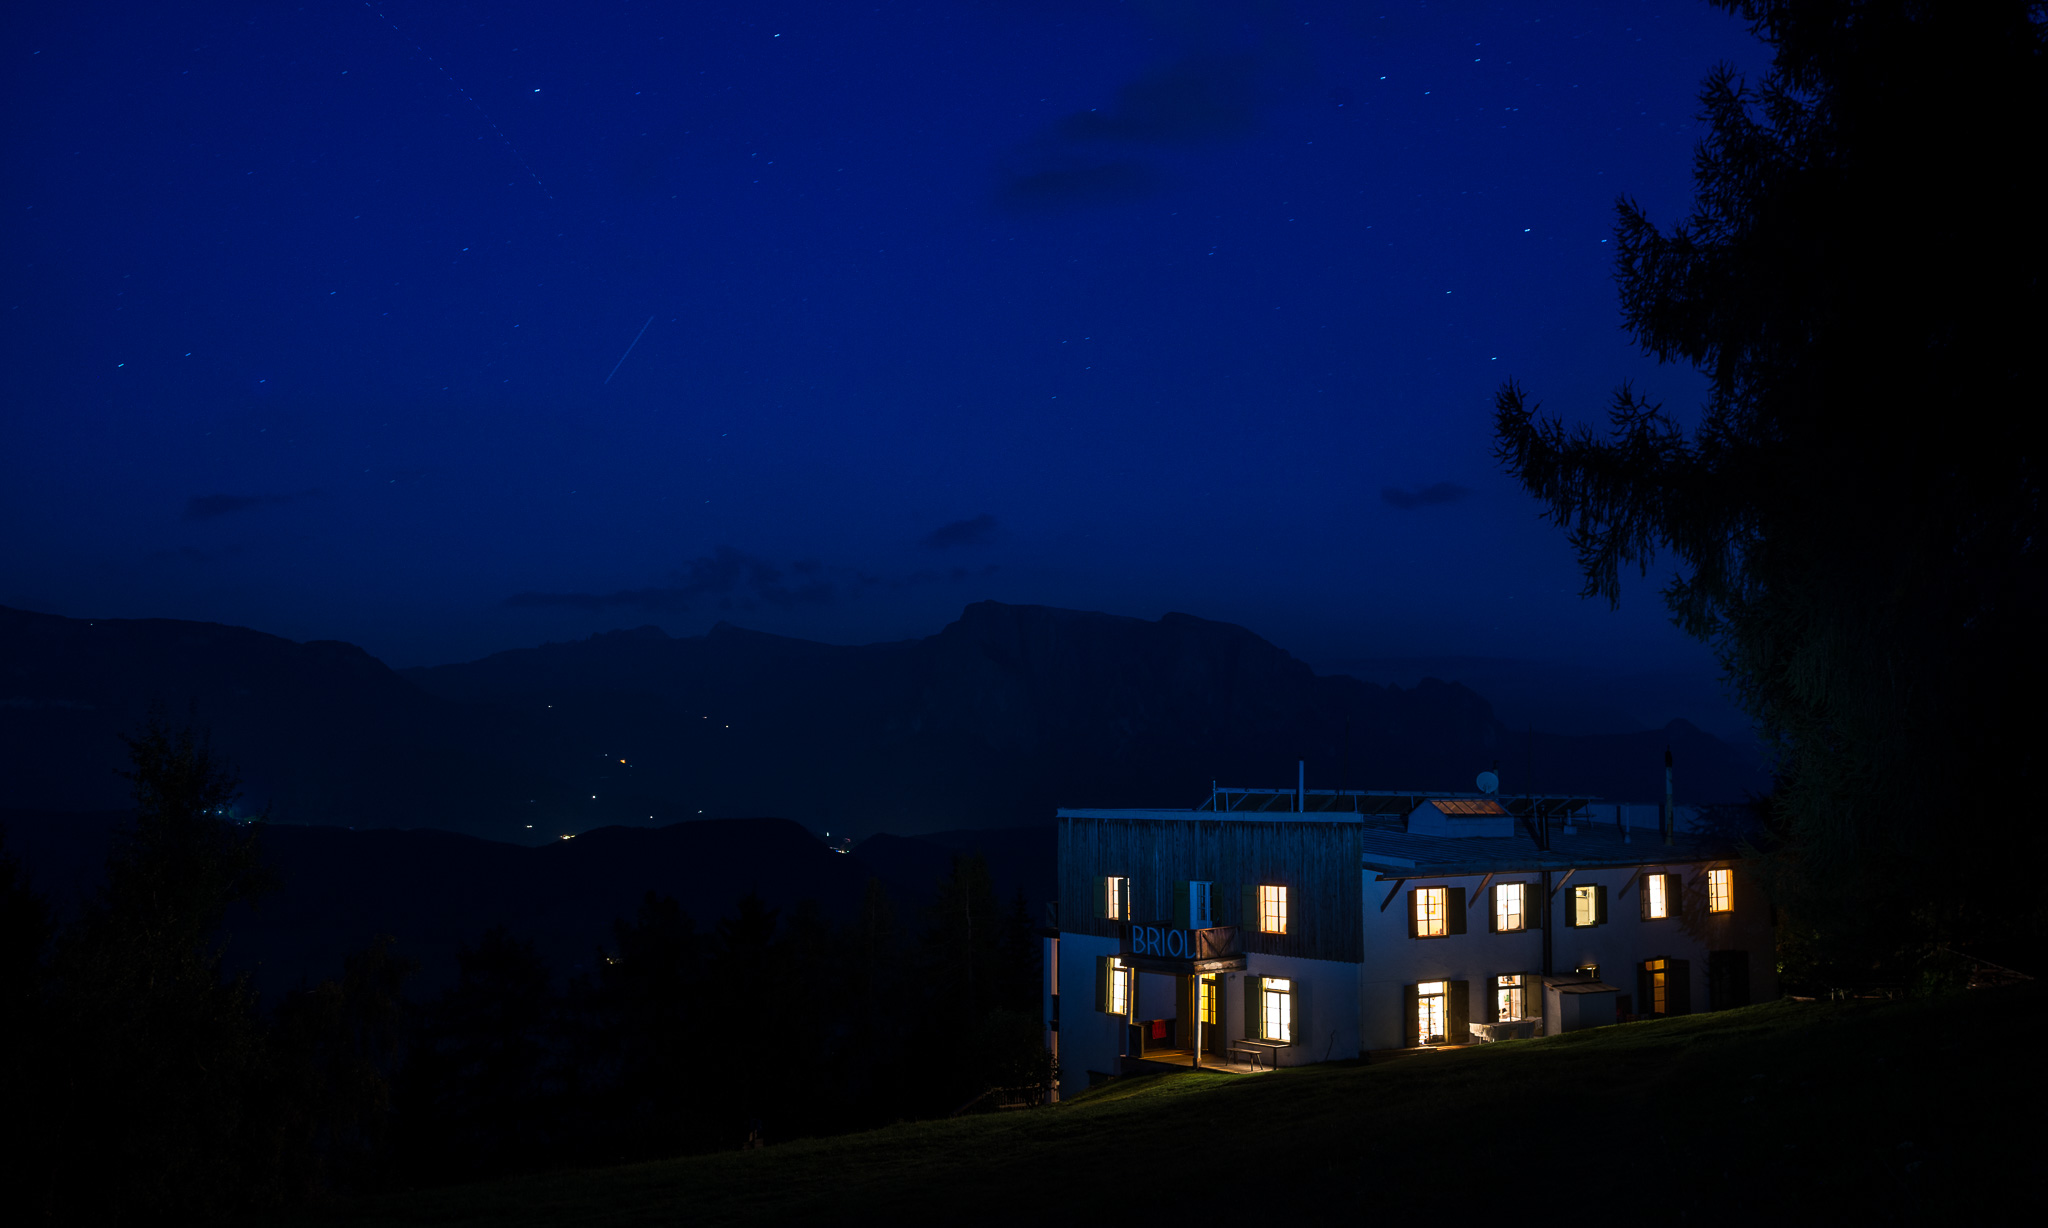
<point>1300,785</point>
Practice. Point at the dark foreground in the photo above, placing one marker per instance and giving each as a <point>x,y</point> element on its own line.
<point>1829,1112</point>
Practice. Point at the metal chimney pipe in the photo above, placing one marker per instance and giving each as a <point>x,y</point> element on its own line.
<point>1300,785</point>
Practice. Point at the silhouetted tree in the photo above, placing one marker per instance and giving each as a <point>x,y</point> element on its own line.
<point>159,1063</point>
<point>1857,513</point>
<point>478,1091</point>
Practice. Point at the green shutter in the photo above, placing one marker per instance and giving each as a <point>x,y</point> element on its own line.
<point>1454,910</point>
<point>1458,1013</point>
<point>1304,1029</point>
<point>1102,897</point>
<point>1180,907</point>
<point>1411,1003</point>
<point>1102,982</point>
<point>1678,987</point>
<point>1412,931</point>
<point>1254,1015</point>
<point>1599,903</point>
<point>1674,895</point>
<point>1249,902</point>
<point>1492,906</point>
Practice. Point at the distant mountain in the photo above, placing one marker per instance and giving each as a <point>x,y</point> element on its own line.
<point>993,722</point>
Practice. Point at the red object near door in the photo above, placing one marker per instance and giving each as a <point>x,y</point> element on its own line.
<point>1159,1029</point>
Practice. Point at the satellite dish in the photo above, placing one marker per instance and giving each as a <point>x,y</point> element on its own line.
<point>1488,782</point>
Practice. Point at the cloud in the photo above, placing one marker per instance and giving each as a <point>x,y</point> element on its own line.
<point>211,507</point>
<point>1197,99</point>
<point>726,578</point>
<point>979,531</point>
<point>1428,496</point>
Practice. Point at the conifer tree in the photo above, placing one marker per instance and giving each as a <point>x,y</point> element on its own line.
<point>1856,516</point>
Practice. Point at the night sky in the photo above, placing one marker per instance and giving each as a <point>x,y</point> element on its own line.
<point>315,314</point>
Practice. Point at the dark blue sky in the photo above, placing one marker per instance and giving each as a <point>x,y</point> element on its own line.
<point>1114,305</point>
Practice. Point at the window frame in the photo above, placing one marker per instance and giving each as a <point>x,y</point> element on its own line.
<point>1442,899</point>
<point>1272,905</point>
<point>1442,998</point>
<point>1116,897</point>
<point>1656,897</point>
<point>1721,888</point>
<point>1521,913</point>
<point>1270,997</point>
<point>1520,988</point>
<point>1119,988</point>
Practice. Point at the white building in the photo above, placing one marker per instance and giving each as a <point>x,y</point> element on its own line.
<point>1281,927</point>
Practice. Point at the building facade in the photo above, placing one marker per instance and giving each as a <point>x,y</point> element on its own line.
<point>1283,927</point>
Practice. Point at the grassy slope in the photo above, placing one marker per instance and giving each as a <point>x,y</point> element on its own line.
<point>1822,1110</point>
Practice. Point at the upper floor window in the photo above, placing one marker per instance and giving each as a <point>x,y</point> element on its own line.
<point>1510,904</point>
<point>1273,909</point>
<point>1656,901</point>
<point>1113,898</point>
<point>1432,912</point>
<point>1589,905</point>
<point>1511,998</point>
<point>1720,891</point>
<point>1191,905</point>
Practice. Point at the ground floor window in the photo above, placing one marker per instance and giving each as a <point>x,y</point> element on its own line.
<point>1113,990</point>
<point>1429,1012</point>
<point>1276,1010</point>
<point>1211,1002</point>
<point>1657,975</point>
<point>1511,998</point>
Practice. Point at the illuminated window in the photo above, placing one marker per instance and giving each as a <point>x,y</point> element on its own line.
<point>1508,903</point>
<point>1431,912</point>
<point>1656,901</point>
<point>1589,905</point>
<point>1113,898</point>
<point>1657,979</point>
<point>1276,1002</point>
<point>1212,1010</point>
<point>1119,988</point>
<point>1720,891</point>
<point>1511,998</point>
<point>1429,1013</point>
<point>1273,909</point>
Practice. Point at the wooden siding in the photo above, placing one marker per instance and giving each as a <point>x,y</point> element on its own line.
<point>1318,863</point>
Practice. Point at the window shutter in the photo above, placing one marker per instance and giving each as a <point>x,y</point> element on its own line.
<point>1254,1010</point>
<point>1493,908</point>
<point>1454,910</point>
<point>1180,906</point>
<point>1102,982</point>
<point>1643,895</point>
<point>1413,932</point>
<point>1674,895</point>
<point>1535,905</point>
<point>1678,987</point>
<point>1458,1024</point>
<point>1250,904</point>
<point>1304,1014</point>
<point>1599,904</point>
<point>1646,988</point>
<point>1101,897</point>
<point>1411,1002</point>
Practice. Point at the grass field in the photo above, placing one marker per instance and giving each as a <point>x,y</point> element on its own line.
<point>1828,1112</point>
